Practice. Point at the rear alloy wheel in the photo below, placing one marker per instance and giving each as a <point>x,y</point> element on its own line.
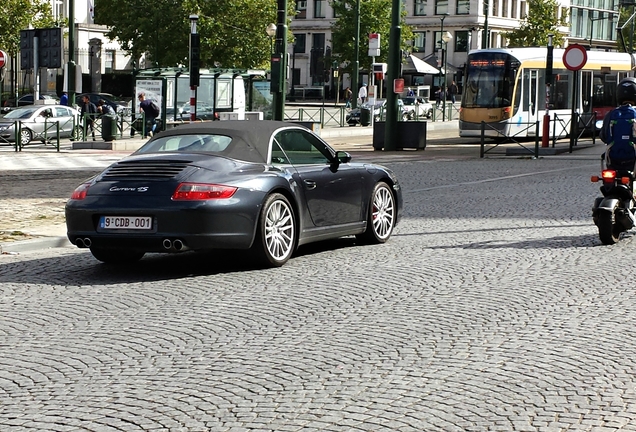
<point>381,215</point>
<point>609,230</point>
<point>26,136</point>
<point>276,235</point>
<point>116,256</point>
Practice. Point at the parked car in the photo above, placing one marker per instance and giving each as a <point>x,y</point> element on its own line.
<point>205,111</point>
<point>109,99</point>
<point>39,122</point>
<point>26,100</point>
<point>379,112</point>
<point>417,108</point>
<point>262,186</point>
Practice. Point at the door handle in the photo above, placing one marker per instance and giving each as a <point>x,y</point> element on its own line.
<point>310,184</point>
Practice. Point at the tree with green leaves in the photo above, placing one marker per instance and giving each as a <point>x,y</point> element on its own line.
<point>542,19</point>
<point>626,24</point>
<point>16,15</point>
<point>375,17</point>
<point>232,32</point>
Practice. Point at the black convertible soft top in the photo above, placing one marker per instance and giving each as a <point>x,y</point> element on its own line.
<point>250,139</point>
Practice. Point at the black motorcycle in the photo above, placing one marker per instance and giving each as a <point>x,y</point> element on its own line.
<point>613,213</point>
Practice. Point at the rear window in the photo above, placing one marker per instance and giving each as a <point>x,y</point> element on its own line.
<point>206,143</point>
<point>20,113</point>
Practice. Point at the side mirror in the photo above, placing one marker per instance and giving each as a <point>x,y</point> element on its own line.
<point>343,157</point>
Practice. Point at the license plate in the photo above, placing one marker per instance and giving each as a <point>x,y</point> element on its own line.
<point>125,222</point>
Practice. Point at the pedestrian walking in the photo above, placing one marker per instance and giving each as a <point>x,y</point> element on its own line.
<point>453,90</point>
<point>348,94</point>
<point>438,97</point>
<point>88,113</point>
<point>362,93</point>
<point>151,112</point>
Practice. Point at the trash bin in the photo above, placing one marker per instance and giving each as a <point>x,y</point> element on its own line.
<point>109,127</point>
<point>365,116</point>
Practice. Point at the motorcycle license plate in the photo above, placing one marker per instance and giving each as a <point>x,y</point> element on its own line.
<point>125,223</point>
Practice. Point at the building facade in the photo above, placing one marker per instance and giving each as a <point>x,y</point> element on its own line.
<point>590,22</point>
<point>95,54</point>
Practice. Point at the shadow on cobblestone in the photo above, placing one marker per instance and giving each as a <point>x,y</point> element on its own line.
<point>558,242</point>
<point>75,267</point>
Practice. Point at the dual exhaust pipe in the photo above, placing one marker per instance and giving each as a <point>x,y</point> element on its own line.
<point>83,242</point>
<point>175,245</point>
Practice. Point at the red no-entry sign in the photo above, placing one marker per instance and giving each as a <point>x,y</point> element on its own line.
<point>575,57</point>
<point>3,58</point>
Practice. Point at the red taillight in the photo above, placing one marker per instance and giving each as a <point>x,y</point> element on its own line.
<point>200,191</point>
<point>608,174</point>
<point>80,192</point>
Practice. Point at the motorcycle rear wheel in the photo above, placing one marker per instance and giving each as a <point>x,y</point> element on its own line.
<point>609,230</point>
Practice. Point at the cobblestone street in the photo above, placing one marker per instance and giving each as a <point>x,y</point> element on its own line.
<point>33,201</point>
<point>493,308</point>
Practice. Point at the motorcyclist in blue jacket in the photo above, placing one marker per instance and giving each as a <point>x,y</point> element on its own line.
<point>619,127</point>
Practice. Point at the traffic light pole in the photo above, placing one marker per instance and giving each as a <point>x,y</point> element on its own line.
<point>356,61</point>
<point>71,54</point>
<point>393,71</point>
<point>194,66</point>
<point>279,62</point>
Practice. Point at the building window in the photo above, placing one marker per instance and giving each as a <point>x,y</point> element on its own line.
<point>301,42</point>
<point>441,7</point>
<point>463,7</point>
<point>495,8</point>
<point>437,40</point>
<point>316,62</point>
<point>320,8</point>
<point>419,42</point>
<point>523,12</point>
<point>420,8</point>
<point>504,8</point>
<point>109,61</point>
<point>515,6</point>
<point>461,41</point>
<point>301,5</point>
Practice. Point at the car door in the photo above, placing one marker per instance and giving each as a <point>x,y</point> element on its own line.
<point>41,122</point>
<point>333,192</point>
<point>64,117</point>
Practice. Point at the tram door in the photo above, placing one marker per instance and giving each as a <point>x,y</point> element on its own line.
<point>530,100</point>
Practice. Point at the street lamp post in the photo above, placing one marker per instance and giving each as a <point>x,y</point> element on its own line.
<point>598,18</point>
<point>485,37</point>
<point>446,37</point>
<point>441,47</point>
<point>271,32</point>
<point>292,91</point>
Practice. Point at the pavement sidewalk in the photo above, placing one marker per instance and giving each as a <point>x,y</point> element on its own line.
<point>443,143</point>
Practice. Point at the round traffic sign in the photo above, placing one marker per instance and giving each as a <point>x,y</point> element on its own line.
<point>575,57</point>
<point>3,58</point>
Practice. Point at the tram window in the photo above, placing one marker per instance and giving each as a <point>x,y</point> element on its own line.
<point>561,95</point>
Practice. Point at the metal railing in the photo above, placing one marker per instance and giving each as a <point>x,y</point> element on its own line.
<point>509,139</point>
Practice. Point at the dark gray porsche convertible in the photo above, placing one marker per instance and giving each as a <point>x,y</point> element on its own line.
<point>266,186</point>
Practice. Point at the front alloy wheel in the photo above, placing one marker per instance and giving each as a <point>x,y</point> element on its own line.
<point>276,235</point>
<point>381,216</point>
